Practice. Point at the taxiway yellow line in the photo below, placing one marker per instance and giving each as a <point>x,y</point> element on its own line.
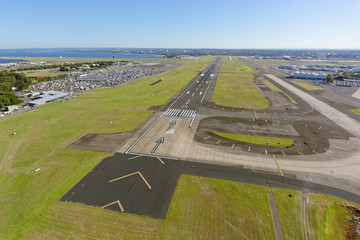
<point>113,180</point>
<point>278,165</point>
<point>118,202</point>
<point>160,160</point>
<point>135,157</point>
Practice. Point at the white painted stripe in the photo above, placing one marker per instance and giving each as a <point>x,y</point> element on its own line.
<point>171,112</point>
<point>200,93</point>
<point>177,112</point>
<point>187,102</point>
<point>188,92</point>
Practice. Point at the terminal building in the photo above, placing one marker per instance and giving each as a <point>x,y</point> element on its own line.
<point>307,75</point>
<point>46,97</point>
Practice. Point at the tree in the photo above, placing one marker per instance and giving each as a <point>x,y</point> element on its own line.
<point>329,78</point>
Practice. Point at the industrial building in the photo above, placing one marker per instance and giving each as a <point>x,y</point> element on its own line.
<point>46,97</point>
<point>291,67</point>
<point>307,75</point>
<point>11,108</point>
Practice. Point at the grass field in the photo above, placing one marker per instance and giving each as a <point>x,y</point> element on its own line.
<point>356,111</point>
<point>260,140</point>
<point>272,86</point>
<point>233,65</point>
<point>307,86</point>
<point>269,62</point>
<point>237,90</point>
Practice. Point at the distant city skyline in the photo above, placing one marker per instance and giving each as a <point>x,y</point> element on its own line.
<point>229,24</point>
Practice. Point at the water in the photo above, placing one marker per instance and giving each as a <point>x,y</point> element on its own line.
<point>12,60</point>
<point>70,54</point>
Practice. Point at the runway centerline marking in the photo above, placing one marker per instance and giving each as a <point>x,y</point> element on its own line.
<point>129,175</point>
<point>118,202</point>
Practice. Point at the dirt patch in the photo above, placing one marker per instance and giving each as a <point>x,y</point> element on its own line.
<point>100,142</point>
<point>154,108</point>
<point>154,83</point>
<point>353,230</point>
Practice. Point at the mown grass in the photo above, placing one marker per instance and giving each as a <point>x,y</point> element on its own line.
<point>260,140</point>
<point>272,86</point>
<point>306,86</point>
<point>233,65</point>
<point>237,90</point>
<point>356,111</point>
<point>26,196</point>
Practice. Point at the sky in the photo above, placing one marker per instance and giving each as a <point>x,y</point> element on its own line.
<point>330,24</point>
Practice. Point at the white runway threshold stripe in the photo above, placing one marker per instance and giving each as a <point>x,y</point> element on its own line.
<point>346,122</point>
<point>171,112</point>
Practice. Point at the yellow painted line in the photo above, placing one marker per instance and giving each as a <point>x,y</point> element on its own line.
<point>283,153</point>
<point>160,160</point>
<point>278,122</point>
<point>265,120</point>
<point>113,180</point>
<point>249,149</point>
<point>131,174</point>
<point>319,127</point>
<point>278,165</point>
<point>266,151</point>
<point>207,137</point>
<point>144,180</point>
<point>305,125</point>
<point>135,157</point>
<point>332,132</point>
<point>255,115</point>
<point>118,202</point>
<point>328,150</point>
<point>300,153</point>
<point>315,152</point>
<point>292,123</point>
<point>233,146</point>
<point>218,142</point>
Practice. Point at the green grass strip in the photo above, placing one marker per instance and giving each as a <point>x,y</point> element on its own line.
<point>307,86</point>
<point>260,140</point>
<point>356,111</point>
<point>237,90</point>
<point>272,86</point>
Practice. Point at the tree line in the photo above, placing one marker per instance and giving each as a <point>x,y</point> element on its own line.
<point>8,81</point>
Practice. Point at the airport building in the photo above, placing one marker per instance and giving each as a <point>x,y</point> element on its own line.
<point>46,97</point>
<point>306,75</point>
<point>11,108</point>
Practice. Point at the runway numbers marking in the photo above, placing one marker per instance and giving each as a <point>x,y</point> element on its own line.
<point>135,157</point>
<point>283,153</point>
<point>300,153</point>
<point>129,175</point>
<point>160,160</point>
<point>278,165</point>
<point>118,202</point>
